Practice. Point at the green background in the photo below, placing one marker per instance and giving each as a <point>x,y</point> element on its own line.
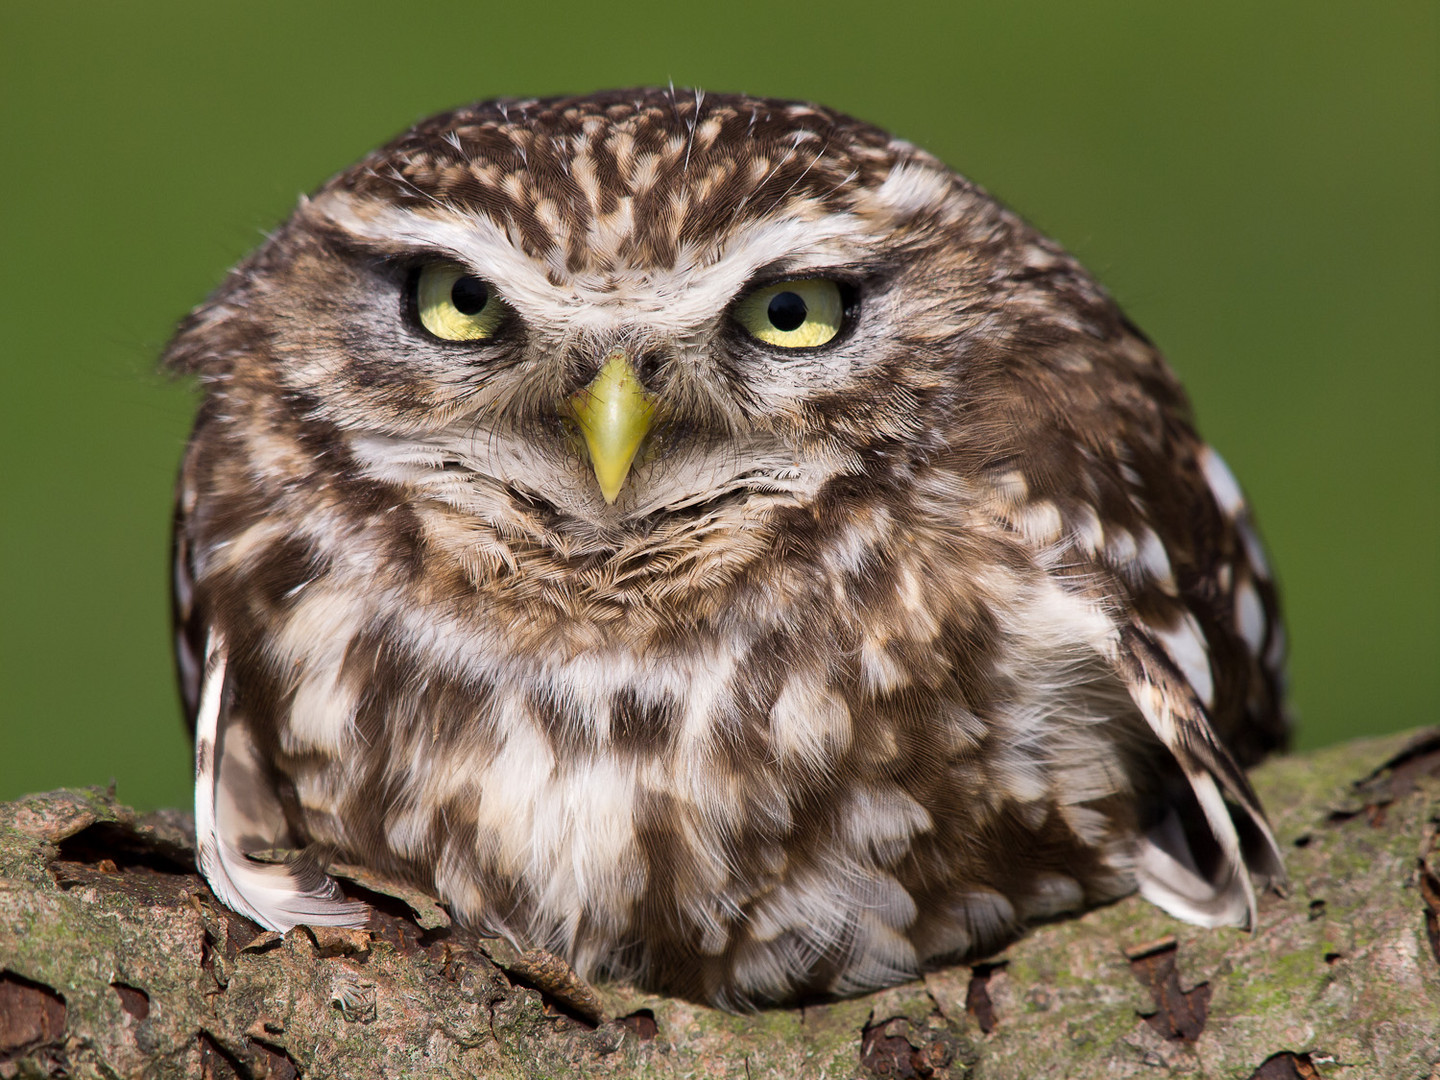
<point>1256,183</point>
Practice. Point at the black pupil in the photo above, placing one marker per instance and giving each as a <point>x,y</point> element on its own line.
<point>787,311</point>
<point>469,294</point>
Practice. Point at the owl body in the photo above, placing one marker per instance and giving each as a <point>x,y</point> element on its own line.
<point>881,646</point>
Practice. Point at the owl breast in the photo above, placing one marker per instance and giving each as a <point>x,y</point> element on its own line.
<point>802,764</point>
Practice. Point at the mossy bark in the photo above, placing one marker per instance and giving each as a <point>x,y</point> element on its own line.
<point>116,961</point>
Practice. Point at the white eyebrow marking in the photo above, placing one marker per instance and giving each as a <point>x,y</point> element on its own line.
<point>671,300</point>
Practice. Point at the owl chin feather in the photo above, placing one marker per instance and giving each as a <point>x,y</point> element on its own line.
<point>707,538</point>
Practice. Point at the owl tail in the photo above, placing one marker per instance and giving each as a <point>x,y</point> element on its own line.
<point>236,812</point>
<point>1211,845</point>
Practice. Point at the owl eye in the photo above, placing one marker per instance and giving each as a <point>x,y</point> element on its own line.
<point>798,314</point>
<point>456,305</point>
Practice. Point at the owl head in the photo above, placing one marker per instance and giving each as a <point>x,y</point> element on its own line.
<point>635,308</point>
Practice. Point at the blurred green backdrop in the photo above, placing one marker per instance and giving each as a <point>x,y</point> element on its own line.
<point>1258,184</point>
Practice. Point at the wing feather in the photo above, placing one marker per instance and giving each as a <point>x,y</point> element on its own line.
<point>231,809</point>
<point>1200,874</point>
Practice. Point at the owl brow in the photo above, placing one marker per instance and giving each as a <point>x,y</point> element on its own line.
<point>404,258</point>
<point>390,252</point>
<point>853,273</point>
<point>381,251</point>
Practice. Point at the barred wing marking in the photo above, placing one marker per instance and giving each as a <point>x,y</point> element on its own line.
<point>1179,869</point>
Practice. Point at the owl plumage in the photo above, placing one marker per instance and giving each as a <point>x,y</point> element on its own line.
<point>881,647</point>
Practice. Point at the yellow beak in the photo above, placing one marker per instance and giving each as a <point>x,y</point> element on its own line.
<point>615,414</point>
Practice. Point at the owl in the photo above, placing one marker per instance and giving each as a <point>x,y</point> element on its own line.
<point>706,538</point>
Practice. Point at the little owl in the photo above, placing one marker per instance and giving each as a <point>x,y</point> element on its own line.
<point>708,539</point>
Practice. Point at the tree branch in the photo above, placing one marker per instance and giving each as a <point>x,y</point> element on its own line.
<point>117,961</point>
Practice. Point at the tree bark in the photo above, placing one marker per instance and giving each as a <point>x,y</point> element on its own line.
<point>118,962</point>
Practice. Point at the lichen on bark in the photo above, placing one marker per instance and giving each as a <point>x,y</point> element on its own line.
<point>116,961</point>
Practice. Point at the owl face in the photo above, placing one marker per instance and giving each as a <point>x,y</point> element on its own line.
<point>709,539</point>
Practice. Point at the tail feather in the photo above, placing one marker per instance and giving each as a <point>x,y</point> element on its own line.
<point>233,812</point>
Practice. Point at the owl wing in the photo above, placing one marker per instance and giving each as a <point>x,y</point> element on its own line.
<point>1204,665</point>
<point>1199,652</point>
<point>1149,523</point>
<point>236,808</point>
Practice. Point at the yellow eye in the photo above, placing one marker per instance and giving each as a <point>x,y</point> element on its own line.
<point>455,305</point>
<point>793,314</point>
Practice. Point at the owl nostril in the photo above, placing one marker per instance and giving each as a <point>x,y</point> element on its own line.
<point>649,368</point>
